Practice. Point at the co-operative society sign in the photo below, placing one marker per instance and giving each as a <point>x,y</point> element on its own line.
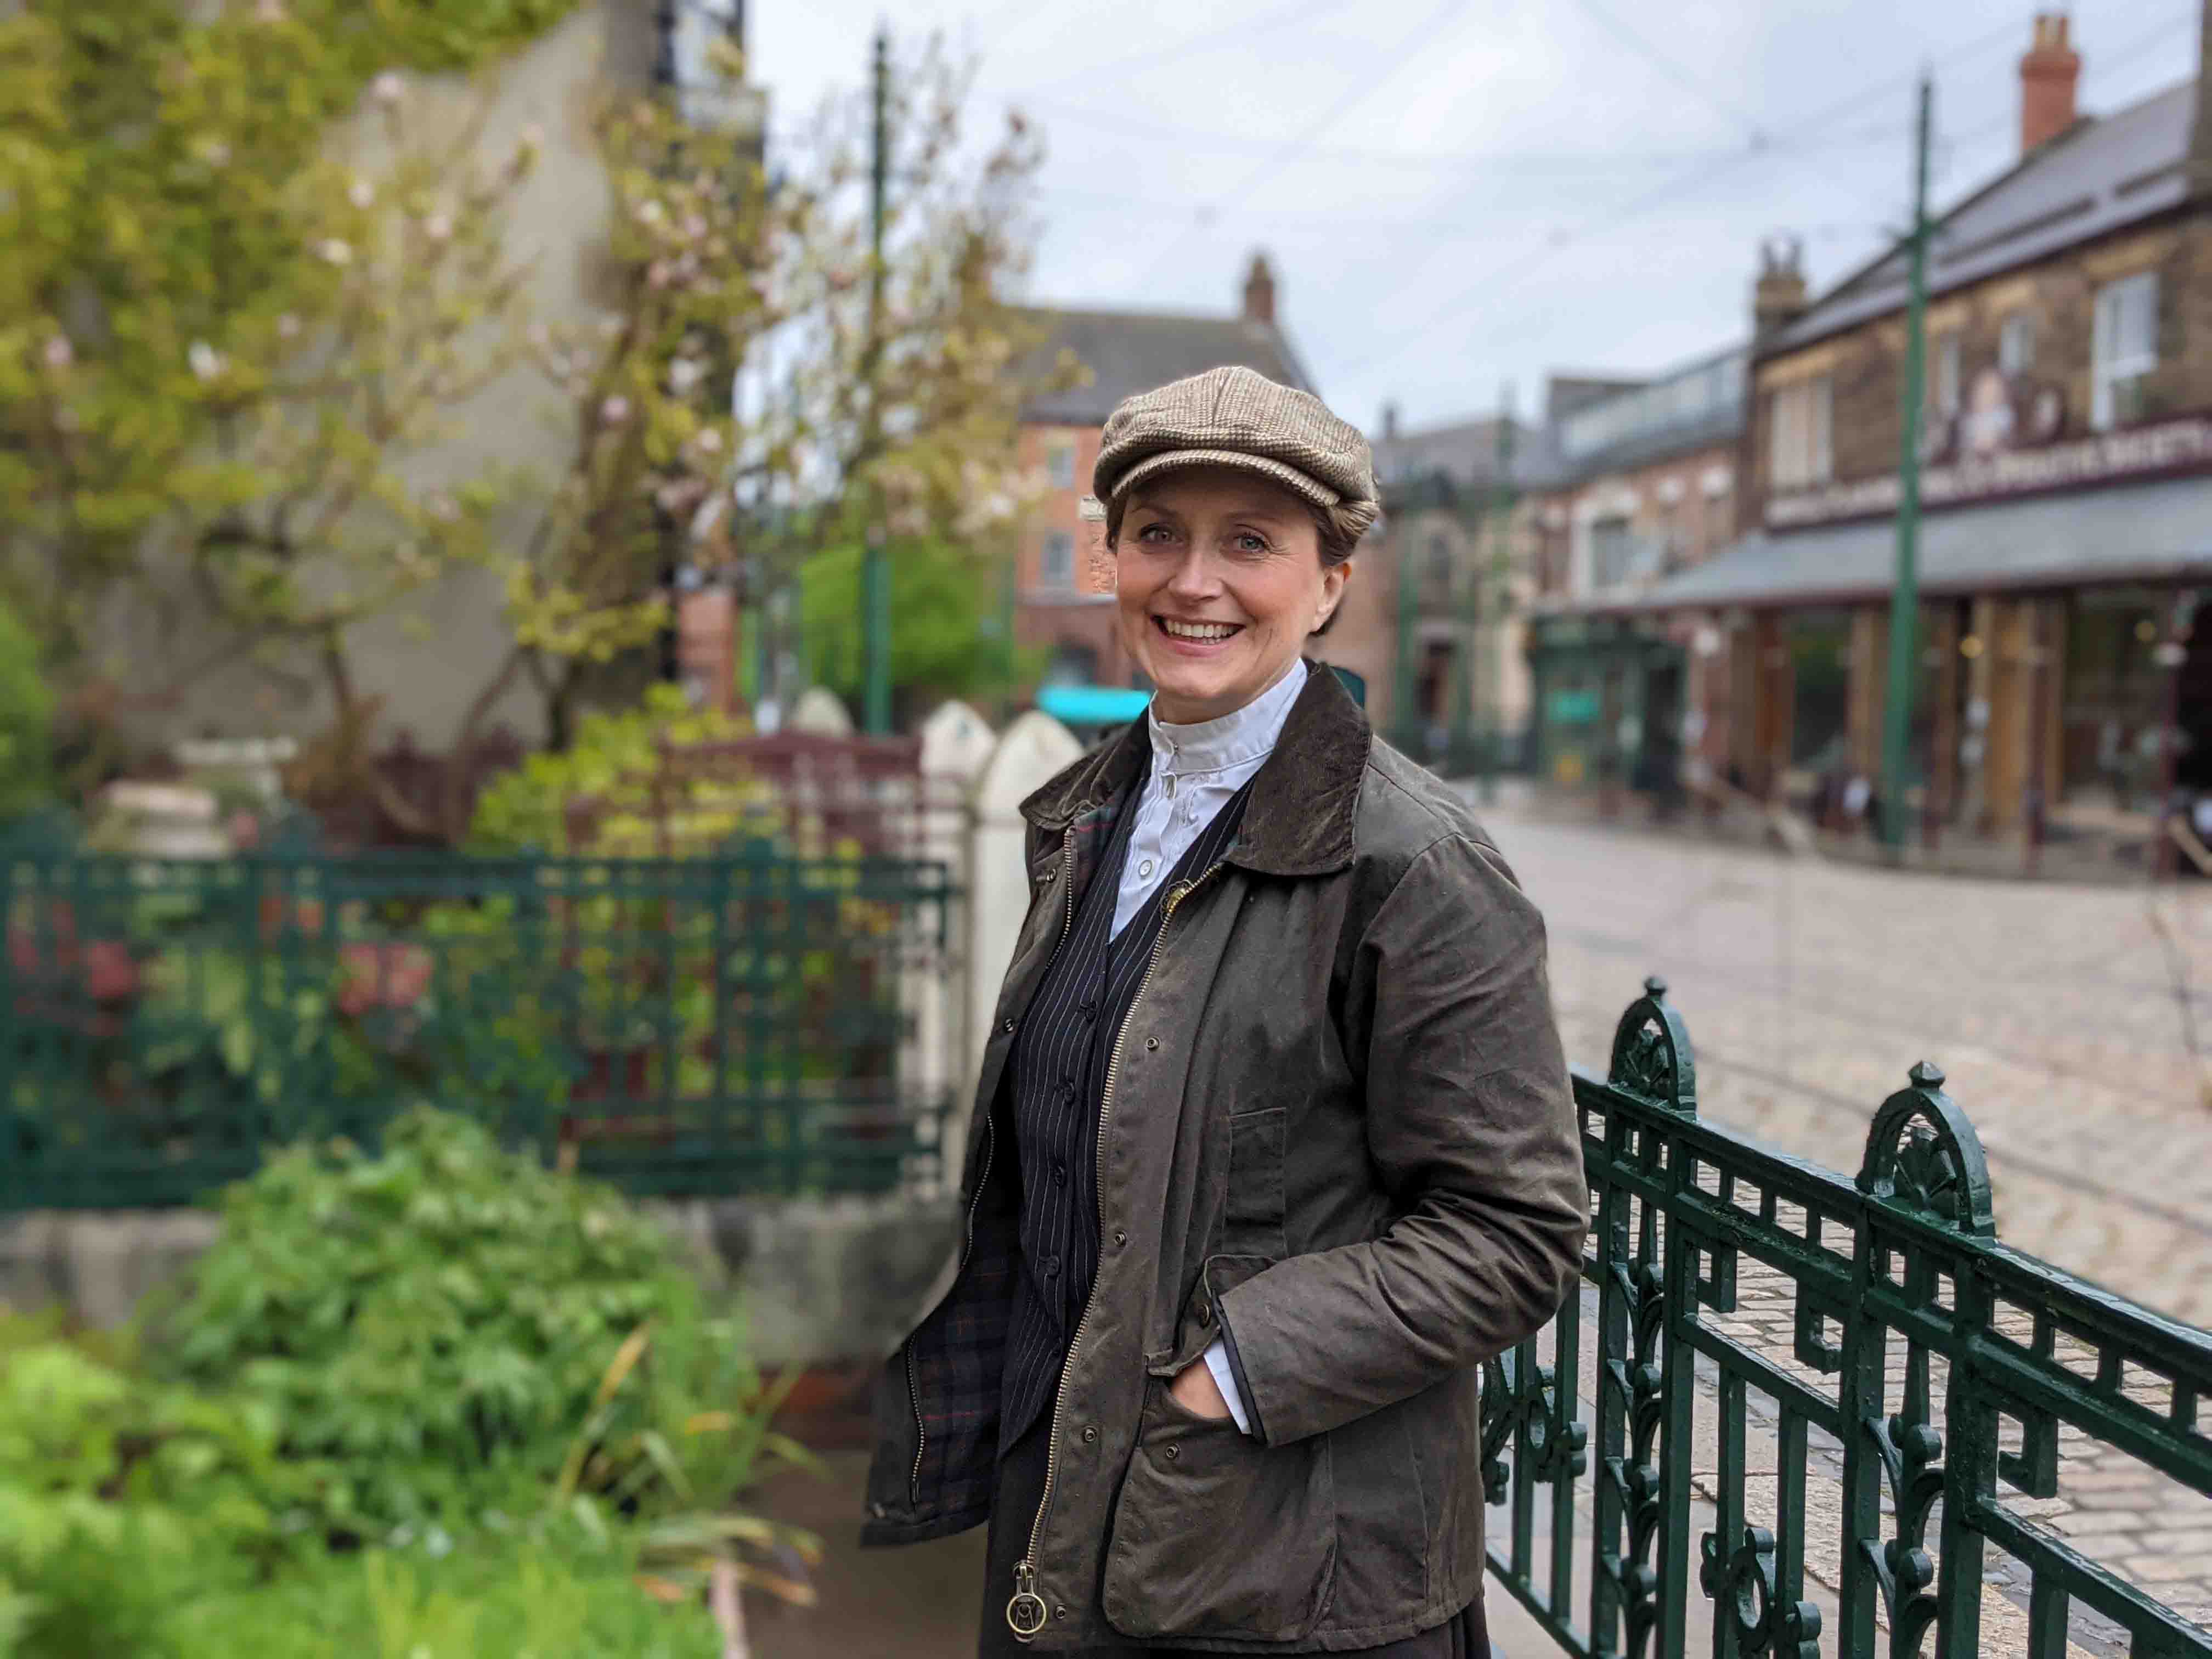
<point>2172,445</point>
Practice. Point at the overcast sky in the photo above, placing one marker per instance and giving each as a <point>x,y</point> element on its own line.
<point>1458,194</point>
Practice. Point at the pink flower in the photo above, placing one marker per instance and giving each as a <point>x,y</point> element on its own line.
<point>335,252</point>
<point>388,88</point>
<point>437,227</point>
<point>614,411</point>
<point>709,440</point>
<point>268,11</point>
<point>361,193</point>
<point>206,361</point>
<point>287,327</point>
<point>59,353</point>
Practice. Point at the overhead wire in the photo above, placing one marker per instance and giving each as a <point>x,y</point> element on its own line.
<point>1637,206</point>
<point>1283,17</point>
<point>1140,127</point>
<point>1412,43</point>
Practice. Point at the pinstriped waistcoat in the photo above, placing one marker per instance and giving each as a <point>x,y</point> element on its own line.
<point>1058,1081</point>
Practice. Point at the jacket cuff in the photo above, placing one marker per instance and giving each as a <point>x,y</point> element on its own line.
<point>1248,1418</point>
<point>1224,1380</point>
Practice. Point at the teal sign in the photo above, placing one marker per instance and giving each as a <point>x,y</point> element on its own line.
<point>1570,708</point>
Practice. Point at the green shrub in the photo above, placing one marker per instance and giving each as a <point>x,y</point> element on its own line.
<point>556,1596</point>
<point>616,764</point>
<point>27,718</point>
<point>119,1496</point>
<point>432,1325</point>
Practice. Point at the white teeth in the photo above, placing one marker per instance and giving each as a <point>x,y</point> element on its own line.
<point>1185,630</point>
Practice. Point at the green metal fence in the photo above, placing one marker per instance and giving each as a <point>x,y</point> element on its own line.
<point>1830,1409</point>
<point>743,1023</point>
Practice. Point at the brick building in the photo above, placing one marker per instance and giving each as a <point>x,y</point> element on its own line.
<point>1644,487</point>
<point>1063,597</point>
<point>2067,483</point>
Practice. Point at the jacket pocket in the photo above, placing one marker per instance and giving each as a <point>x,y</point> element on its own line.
<point>1215,1535</point>
<point>1252,1216</point>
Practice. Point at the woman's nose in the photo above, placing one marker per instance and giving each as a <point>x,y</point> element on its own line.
<point>1194,577</point>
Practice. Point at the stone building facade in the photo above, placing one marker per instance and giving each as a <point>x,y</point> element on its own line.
<point>1442,586</point>
<point>1645,487</point>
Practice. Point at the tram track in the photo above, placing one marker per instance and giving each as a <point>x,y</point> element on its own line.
<point>2003,1158</point>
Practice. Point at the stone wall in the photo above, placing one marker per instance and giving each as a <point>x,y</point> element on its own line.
<point>824,1282</point>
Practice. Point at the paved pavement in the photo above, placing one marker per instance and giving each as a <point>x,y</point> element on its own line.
<point>2067,1020</point>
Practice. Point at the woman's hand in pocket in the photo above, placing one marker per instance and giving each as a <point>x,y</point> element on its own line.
<point>1196,1392</point>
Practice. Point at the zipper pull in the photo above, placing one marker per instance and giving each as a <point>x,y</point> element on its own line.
<point>1025,1614</point>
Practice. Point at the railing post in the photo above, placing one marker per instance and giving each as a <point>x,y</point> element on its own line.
<point>1923,1157</point>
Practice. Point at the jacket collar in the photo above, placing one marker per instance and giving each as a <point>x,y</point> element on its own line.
<point>1304,800</point>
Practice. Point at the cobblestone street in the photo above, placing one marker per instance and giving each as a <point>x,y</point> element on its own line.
<point>1809,988</point>
<point>2058,1015</point>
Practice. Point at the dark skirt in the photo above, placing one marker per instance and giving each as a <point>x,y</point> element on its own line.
<point>1021,1485</point>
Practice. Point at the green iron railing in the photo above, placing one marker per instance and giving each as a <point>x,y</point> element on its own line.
<point>1825,1416</point>
<point>739,1023</point>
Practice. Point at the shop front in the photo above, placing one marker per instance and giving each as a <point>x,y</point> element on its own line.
<point>2058,680</point>
<point>1609,703</point>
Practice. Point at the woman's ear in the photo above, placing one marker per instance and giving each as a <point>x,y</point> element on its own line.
<point>1332,581</point>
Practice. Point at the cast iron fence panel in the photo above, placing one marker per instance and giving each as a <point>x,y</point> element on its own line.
<point>735,1023</point>
<point>1905,1302</point>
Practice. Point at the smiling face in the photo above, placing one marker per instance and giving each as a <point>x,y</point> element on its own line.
<point>1218,578</point>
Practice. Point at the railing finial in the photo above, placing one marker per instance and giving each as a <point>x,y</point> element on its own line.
<point>1922,1153</point>
<point>1652,1054</point>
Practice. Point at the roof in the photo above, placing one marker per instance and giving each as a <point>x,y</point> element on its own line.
<point>1132,351</point>
<point>2146,533</point>
<point>1461,454</point>
<point>1696,406</point>
<point>2102,174</point>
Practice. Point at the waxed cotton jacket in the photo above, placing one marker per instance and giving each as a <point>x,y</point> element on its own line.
<point>1337,1133</point>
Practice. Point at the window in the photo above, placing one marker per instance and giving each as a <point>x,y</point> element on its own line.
<point>1943,384</point>
<point>1440,562</point>
<point>1057,565</point>
<point>2126,347</point>
<point>1060,464</point>
<point>2016,344</point>
<point>1612,550</point>
<point>1800,437</point>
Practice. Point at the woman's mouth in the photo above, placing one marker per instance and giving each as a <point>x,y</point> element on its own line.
<point>1196,635</point>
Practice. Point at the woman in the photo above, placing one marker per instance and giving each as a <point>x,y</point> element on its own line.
<point>1273,1143</point>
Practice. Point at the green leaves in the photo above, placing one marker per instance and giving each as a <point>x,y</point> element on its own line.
<point>436,1320</point>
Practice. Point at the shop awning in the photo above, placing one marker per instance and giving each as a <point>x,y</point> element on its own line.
<point>1092,705</point>
<point>2146,533</point>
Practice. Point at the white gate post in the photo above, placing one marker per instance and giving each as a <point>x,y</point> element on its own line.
<point>957,743</point>
<point>1035,748</point>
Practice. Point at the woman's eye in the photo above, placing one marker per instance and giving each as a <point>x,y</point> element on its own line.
<point>1248,542</point>
<point>1154,532</point>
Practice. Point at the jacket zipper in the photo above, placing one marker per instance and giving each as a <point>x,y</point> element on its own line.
<point>976,1201</point>
<point>1027,1605</point>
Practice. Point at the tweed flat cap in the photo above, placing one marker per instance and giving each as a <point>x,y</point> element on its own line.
<point>1234,417</point>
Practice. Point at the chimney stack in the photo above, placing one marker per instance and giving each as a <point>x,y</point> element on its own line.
<point>1390,422</point>
<point>2049,75</point>
<point>1780,297</point>
<point>1260,292</point>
